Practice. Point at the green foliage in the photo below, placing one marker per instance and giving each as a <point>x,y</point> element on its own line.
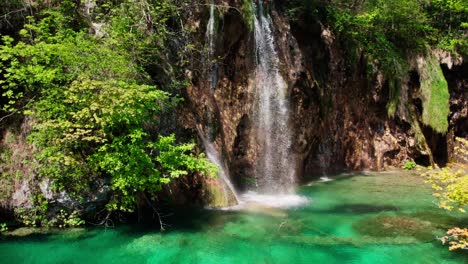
<point>94,108</point>
<point>450,17</point>
<point>450,186</point>
<point>409,165</point>
<point>65,219</point>
<point>35,216</point>
<point>3,227</point>
<point>89,119</point>
<point>385,30</point>
<point>248,13</point>
<point>134,171</point>
<point>6,178</point>
<point>435,96</point>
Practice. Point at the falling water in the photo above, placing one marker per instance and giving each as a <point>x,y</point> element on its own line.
<point>211,151</point>
<point>210,40</point>
<point>213,155</point>
<point>275,170</point>
<point>324,157</point>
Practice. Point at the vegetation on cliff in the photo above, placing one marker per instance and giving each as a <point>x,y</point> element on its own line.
<point>435,96</point>
<point>387,33</point>
<point>94,106</point>
<point>96,81</point>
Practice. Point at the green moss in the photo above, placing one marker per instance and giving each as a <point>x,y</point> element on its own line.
<point>248,13</point>
<point>421,143</point>
<point>434,95</point>
<point>394,97</point>
<point>216,195</point>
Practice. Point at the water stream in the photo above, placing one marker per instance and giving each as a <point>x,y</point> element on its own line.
<point>211,152</point>
<point>275,170</point>
<point>210,38</point>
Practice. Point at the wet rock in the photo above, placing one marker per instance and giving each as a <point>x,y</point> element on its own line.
<point>27,231</point>
<point>218,195</point>
<point>335,105</point>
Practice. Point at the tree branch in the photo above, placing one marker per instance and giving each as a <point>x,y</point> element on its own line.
<point>156,211</point>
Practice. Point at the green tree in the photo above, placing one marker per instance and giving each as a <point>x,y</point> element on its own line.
<point>94,108</point>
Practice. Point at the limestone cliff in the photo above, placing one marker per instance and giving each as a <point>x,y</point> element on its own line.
<point>339,112</point>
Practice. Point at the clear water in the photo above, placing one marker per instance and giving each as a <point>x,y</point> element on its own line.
<point>334,227</point>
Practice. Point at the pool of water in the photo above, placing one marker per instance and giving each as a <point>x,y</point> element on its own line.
<point>372,218</point>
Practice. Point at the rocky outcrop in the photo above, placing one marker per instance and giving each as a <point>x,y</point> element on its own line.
<point>21,187</point>
<point>339,112</point>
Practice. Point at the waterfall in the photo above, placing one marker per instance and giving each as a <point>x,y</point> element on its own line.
<point>210,41</point>
<point>213,156</point>
<point>324,157</point>
<point>275,169</point>
<point>211,152</point>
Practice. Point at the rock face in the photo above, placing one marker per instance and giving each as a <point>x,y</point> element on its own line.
<point>338,119</point>
<point>339,114</point>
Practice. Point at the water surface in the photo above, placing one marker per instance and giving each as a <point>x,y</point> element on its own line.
<point>378,218</point>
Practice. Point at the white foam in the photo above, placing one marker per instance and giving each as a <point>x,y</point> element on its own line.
<point>274,201</point>
<point>280,201</point>
<point>326,179</point>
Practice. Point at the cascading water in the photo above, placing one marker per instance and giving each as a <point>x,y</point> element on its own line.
<point>275,170</point>
<point>210,40</point>
<point>213,156</point>
<point>324,157</point>
<point>211,152</point>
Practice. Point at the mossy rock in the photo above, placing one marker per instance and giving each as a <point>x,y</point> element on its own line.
<point>68,233</point>
<point>217,195</point>
<point>75,233</point>
<point>396,226</point>
<point>27,231</point>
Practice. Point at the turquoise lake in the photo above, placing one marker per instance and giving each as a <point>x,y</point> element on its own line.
<point>362,218</point>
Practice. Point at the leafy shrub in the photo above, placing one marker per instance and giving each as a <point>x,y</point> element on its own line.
<point>95,109</point>
<point>457,238</point>
<point>3,227</point>
<point>450,186</point>
<point>409,165</point>
<point>66,219</point>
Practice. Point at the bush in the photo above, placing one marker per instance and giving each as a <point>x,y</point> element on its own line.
<point>95,109</point>
<point>457,238</point>
<point>409,165</point>
<point>3,227</point>
<point>450,186</point>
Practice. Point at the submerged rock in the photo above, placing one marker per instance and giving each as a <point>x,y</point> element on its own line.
<point>396,226</point>
<point>69,233</point>
<point>26,231</point>
<point>351,241</point>
<point>362,208</point>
